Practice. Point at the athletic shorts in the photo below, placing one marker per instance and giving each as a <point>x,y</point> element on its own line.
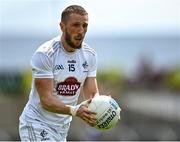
<point>38,131</point>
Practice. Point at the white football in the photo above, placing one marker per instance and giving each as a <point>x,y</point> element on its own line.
<point>108,111</point>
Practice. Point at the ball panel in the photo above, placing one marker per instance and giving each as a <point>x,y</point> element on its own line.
<point>97,106</point>
<point>108,111</point>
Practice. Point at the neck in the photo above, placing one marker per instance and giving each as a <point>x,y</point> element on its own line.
<point>66,46</point>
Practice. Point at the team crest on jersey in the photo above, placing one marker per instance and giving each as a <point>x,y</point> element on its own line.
<point>68,87</point>
<point>85,65</point>
<point>43,135</point>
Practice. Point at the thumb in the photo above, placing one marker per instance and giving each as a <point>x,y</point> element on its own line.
<point>89,100</point>
<point>86,102</point>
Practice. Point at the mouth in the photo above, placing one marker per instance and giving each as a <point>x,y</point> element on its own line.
<point>78,37</point>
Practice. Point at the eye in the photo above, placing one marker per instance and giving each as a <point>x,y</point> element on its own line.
<point>76,24</point>
<point>85,25</point>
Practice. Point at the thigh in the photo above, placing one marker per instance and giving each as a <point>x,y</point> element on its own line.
<point>38,132</point>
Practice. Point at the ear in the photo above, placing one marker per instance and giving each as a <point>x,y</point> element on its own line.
<point>62,26</point>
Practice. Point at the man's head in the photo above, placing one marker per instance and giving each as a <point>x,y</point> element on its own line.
<point>73,9</point>
<point>74,22</point>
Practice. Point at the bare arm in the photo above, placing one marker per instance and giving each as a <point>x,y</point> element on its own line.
<point>90,87</point>
<point>49,102</point>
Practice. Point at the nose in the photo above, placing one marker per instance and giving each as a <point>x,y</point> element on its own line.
<point>81,30</point>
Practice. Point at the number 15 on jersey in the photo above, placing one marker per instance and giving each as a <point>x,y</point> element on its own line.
<point>71,67</point>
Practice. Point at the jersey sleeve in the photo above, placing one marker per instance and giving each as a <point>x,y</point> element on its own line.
<point>42,66</point>
<point>93,65</point>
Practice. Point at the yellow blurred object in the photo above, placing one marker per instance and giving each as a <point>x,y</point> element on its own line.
<point>26,80</point>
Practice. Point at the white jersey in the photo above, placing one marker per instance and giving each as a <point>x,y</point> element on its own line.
<point>68,70</point>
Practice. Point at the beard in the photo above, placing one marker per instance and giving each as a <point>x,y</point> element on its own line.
<point>68,39</point>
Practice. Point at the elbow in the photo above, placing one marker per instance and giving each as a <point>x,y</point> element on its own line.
<point>45,103</point>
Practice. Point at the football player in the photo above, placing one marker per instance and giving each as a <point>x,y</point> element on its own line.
<point>60,68</point>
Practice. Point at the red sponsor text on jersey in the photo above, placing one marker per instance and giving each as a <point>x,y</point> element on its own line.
<point>68,87</point>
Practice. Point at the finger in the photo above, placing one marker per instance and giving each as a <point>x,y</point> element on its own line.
<point>92,118</point>
<point>86,110</point>
<point>92,113</point>
<point>92,123</point>
<point>85,119</point>
<point>83,106</point>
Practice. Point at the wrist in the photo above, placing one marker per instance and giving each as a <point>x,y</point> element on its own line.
<point>97,94</point>
<point>73,109</point>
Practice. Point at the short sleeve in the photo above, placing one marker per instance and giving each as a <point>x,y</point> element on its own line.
<point>93,65</point>
<point>41,66</point>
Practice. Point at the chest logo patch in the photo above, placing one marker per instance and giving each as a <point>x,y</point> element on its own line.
<point>68,87</point>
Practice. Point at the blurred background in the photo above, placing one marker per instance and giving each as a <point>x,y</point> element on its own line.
<point>138,47</point>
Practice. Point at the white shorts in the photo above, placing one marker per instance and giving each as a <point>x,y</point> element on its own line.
<point>37,131</point>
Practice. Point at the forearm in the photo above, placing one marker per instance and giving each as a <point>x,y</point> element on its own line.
<point>90,87</point>
<point>52,104</point>
<point>48,101</point>
<point>92,95</point>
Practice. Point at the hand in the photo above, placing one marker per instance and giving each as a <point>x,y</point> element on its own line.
<point>86,115</point>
